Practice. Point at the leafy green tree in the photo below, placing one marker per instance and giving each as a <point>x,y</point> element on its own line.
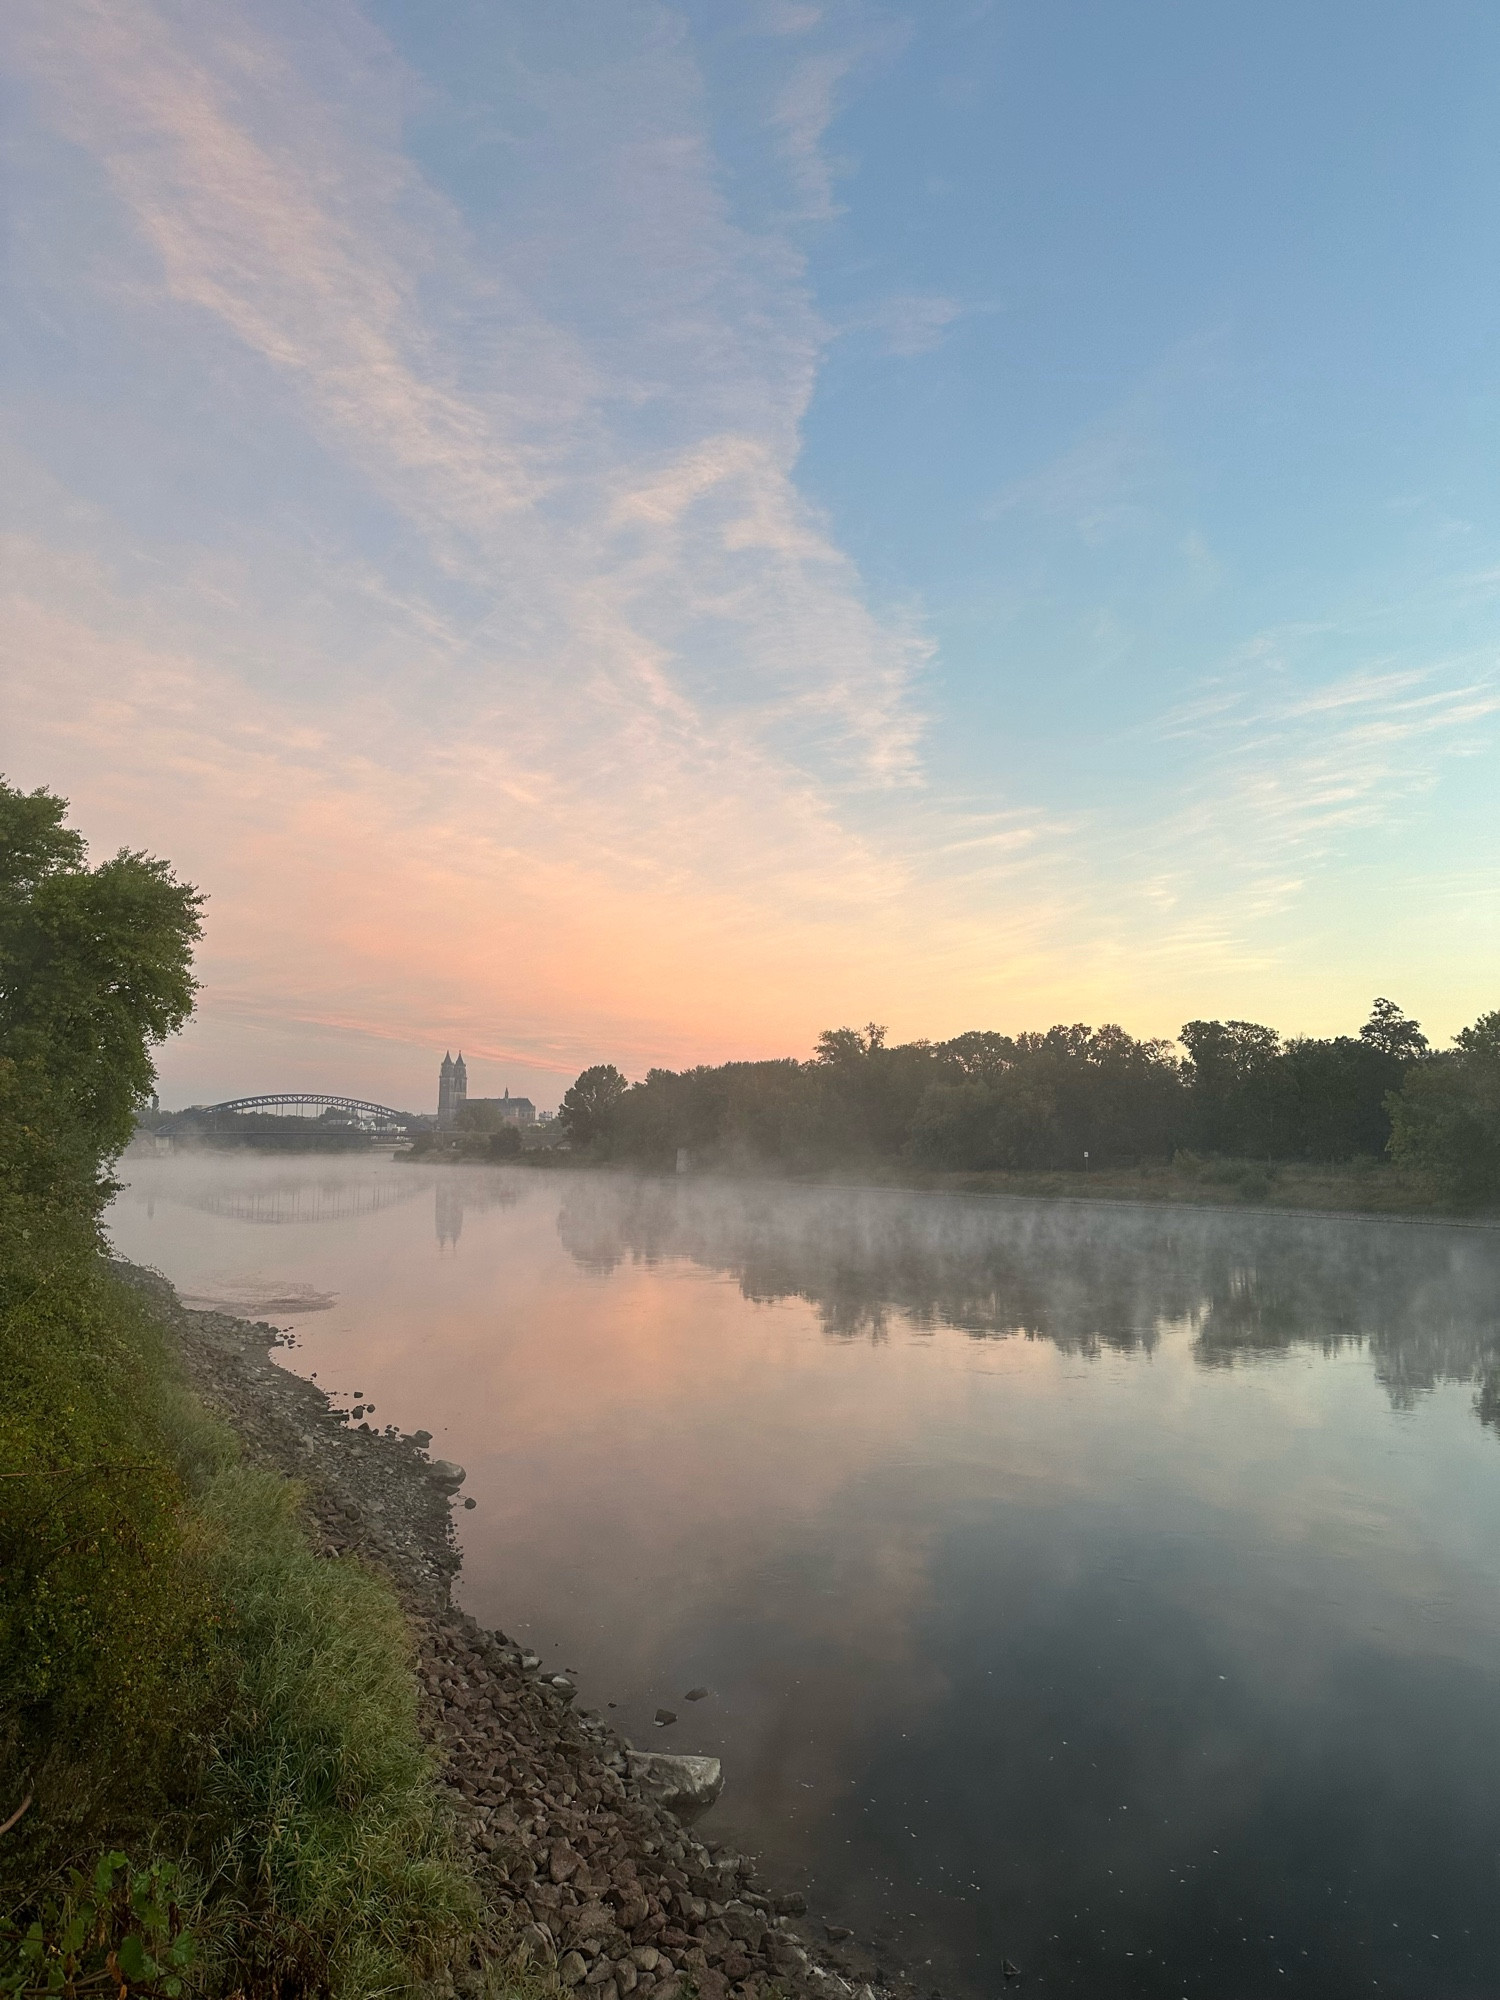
<point>1050,1099</point>
<point>1445,1120</point>
<point>862,1094</point>
<point>1235,1085</point>
<point>1333,1098</point>
<point>1481,1043</point>
<point>95,972</point>
<point>589,1107</point>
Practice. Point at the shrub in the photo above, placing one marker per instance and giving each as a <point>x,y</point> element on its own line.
<point>108,1619</point>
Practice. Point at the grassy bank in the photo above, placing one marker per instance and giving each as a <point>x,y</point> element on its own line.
<point>184,1681</point>
<point>1362,1187</point>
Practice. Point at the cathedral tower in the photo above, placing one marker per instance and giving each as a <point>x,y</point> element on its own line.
<point>453,1090</point>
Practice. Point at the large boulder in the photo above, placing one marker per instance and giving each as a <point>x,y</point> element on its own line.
<point>445,1475</point>
<point>686,1786</point>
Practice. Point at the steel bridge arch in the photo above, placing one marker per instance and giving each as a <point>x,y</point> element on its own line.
<point>382,1114</point>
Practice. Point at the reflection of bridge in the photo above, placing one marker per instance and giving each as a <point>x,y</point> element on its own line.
<point>289,1199</point>
<point>372,1117</point>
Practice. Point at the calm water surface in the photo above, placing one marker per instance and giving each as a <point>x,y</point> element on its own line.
<point>1113,1590</point>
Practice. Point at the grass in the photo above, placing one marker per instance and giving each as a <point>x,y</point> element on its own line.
<point>183,1679</point>
<point>330,1854</point>
<point>1364,1186</point>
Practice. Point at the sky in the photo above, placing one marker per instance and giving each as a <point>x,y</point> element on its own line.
<point>631,532</point>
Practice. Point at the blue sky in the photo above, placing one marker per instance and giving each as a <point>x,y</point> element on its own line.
<point>640,531</point>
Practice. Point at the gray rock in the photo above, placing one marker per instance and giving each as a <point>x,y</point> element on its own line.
<point>444,1474</point>
<point>696,1694</point>
<point>686,1786</point>
<point>664,1716</point>
<point>788,1957</point>
<point>535,1944</point>
<point>573,1968</point>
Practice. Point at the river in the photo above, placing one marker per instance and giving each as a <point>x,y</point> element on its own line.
<point>1113,1590</point>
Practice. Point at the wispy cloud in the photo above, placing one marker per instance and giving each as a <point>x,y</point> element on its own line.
<point>909,323</point>
<point>1285,776</point>
<point>626,677</point>
<point>488,662</point>
<point>801,118</point>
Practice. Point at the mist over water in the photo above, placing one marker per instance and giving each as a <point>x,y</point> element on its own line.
<point>1113,1589</point>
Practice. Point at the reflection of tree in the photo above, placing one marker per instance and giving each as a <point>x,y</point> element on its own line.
<point>1423,1300</point>
<point>591,1233</point>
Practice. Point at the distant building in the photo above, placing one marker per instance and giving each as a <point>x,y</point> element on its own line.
<point>453,1091</point>
<point>488,1114</point>
<point>458,1111</point>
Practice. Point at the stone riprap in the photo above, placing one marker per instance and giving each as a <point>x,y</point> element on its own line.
<point>577,1840</point>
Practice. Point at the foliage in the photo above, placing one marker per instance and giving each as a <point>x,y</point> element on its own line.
<point>329,1861</point>
<point>1393,1033</point>
<point>1072,1097</point>
<point>589,1105</point>
<point>180,1676</point>
<point>95,970</point>
<point>108,1622</point>
<point>1330,1098</point>
<point>1446,1117</point>
<point>121,1933</point>
<point>1068,1097</point>
<point>487,1115</point>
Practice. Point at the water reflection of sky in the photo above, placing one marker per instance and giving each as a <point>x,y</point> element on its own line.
<point>1112,1589</point>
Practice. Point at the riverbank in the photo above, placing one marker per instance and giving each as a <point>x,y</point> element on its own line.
<point>1359,1187</point>
<point>589,1878</point>
<point>1356,1187</point>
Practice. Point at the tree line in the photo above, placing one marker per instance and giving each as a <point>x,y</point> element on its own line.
<point>1072,1097</point>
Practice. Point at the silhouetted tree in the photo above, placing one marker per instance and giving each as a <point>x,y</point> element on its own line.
<point>1393,1033</point>
<point>588,1108</point>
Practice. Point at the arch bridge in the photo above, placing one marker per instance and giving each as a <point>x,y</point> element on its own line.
<point>378,1116</point>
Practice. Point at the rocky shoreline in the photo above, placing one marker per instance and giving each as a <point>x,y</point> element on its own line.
<point>579,1843</point>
